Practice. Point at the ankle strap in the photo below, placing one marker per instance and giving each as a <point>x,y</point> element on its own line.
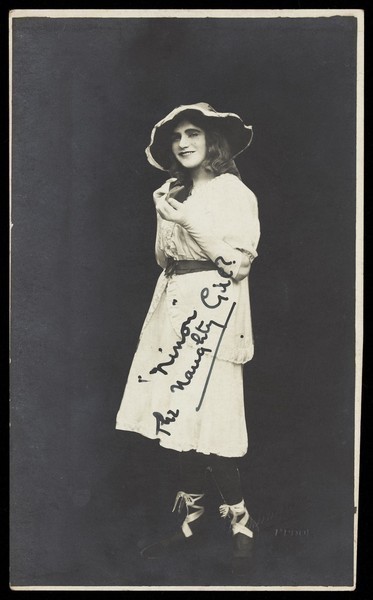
<point>235,511</point>
<point>188,500</point>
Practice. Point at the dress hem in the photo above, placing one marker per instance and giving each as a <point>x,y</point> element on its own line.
<point>181,447</point>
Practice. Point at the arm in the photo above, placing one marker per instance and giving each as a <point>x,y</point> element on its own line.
<point>232,261</point>
<point>246,260</point>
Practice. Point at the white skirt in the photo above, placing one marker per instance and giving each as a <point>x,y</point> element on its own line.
<point>182,394</point>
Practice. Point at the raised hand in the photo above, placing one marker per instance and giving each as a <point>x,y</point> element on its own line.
<point>161,193</point>
<point>172,210</point>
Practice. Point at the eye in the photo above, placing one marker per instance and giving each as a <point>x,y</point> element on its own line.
<point>194,134</point>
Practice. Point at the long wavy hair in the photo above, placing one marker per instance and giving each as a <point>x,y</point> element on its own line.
<point>218,153</point>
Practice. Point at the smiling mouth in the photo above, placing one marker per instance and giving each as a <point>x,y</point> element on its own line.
<point>186,153</point>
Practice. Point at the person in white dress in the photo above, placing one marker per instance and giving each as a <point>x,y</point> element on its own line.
<point>185,385</point>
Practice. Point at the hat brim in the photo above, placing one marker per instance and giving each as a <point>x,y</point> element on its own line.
<point>238,135</point>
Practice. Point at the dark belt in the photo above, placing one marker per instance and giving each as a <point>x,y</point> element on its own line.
<point>180,267</point>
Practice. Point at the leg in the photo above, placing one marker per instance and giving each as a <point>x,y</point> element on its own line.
<point>192,486</point>
<point>192,471</point>
<point>227,478</point>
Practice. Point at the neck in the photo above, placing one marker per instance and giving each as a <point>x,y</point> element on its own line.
<point>201,176</point>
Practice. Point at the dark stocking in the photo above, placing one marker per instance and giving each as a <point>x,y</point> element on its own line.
<point>192,472</point>
<point>227,478</point>
<point>224,471</point>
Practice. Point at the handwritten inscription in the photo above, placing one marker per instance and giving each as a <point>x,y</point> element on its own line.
<point>189,374</point>
<point>161,420</point>
<point>211,297</point>
<point>219,262</point>
<point>185,332</point>
<point>205,329</point>
<point>205,293</point>
<point>224,327</point>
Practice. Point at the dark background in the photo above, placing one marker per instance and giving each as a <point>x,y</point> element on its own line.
<point>86,95</point>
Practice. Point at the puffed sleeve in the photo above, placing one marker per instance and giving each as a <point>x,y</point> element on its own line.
<point>235,216</point>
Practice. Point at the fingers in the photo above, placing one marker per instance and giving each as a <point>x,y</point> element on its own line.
<point>166,186</point>
<point>168,204</point>
<point>174,203</point>
<point>164,209</point>
<point>158,195</point>
<point>175,191</point>
<point>157,200</point>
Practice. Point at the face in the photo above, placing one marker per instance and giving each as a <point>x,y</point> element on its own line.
<point>189,145</point>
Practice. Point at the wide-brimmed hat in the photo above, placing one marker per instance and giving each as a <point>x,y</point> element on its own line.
<point>238,134</point>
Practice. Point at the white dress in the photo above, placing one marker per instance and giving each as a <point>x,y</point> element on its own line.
<point>185,384</point>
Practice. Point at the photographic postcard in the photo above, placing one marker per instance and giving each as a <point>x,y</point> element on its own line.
<point>90,300</point>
